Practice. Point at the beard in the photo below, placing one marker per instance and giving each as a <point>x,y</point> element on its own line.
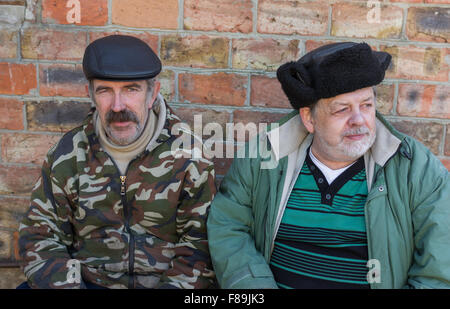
<point>356,149</point>
<point>348,150</point>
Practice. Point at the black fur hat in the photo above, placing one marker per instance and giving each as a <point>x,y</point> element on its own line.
<point>332,70</point>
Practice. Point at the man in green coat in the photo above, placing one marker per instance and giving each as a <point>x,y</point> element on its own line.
<point>345,201</point>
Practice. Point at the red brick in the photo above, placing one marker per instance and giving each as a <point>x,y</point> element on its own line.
<point>55,116</point>
<point>424,100</point>
<point>26,148</point>
<point>313,44</point>
<point>428,24</point>
<point>16,245</point>
<point>422,63</point>
<point>194,51</point>
<point>207,116</point>
<point>92,12</point>
<point>12,210</point>
<point>219,88</point>
<point>447,142</point>
<point>11,115</point>
<point>355,20</point>
<point>51,44</point>
<point>62,80</point>
<point>310,45</point>
<point>145,14</point>
<point>13,2</point>
<point>428,133</point>
<point>407,1</point>
<point>255,117</point>
<point>446,163</point>
<point>17,78</point>
<point>150,39</point>
<point>8,43</point>
<point>267,92</point>
<point>223,16</point>
<point>18,180</point>
<point>263,54</point>
<point>292,17</point>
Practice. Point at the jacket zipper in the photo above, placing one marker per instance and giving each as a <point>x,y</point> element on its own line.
<point>127,213</point>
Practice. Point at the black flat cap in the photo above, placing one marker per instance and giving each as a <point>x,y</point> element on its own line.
<point>332,70</point>
<point>120,57</point>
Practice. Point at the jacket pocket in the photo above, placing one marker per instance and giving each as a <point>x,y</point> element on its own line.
<point>260,270</point>
<point>251,276</point>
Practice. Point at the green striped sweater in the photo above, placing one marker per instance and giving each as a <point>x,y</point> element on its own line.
<point>321,241</point>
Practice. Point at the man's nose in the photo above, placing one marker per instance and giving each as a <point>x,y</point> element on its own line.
<point>356,118</point>
<point>117,104</point>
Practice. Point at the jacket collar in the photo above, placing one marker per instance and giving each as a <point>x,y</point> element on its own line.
<point>294,133</point>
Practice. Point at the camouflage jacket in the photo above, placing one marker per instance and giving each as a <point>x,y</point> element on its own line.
<point>145,229</point>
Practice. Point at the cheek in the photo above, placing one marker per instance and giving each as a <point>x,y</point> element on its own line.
<point>102,110</point>
<point>139,110</point>
<point>332,132</point>
<point>370,121</point>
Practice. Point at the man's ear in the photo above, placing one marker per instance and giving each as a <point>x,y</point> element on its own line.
<point>307,118</point>
<point>156,89</point>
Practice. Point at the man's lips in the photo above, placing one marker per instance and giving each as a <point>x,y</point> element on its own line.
<point>355,137</point>
<point>122,124</point>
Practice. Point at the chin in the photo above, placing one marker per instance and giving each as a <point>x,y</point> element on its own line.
<point>357,149</point>
<point>123,140</point>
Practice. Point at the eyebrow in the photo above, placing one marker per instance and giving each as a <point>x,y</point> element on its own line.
<point>126,86</point>
<point>133,85</point>
<point>346,103</point>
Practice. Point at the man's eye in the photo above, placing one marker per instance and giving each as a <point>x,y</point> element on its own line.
<point>342,110</point>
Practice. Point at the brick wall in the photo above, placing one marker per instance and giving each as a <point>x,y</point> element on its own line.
<point>219,57</point>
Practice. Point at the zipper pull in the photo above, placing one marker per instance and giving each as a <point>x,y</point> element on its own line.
<point>122,187</point>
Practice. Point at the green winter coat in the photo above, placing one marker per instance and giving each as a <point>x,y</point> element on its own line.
<point>407,212</point>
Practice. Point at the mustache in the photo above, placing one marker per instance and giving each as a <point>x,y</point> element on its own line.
<point>357,131</point>
<point>121,116</point>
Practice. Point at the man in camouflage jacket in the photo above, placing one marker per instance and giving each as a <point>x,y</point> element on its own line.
<point>90,223</point>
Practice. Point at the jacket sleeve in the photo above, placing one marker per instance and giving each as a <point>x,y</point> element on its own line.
<point>430,187</point>
<point>237,262</point>
<point>191,266</point>
<point>45,233</point>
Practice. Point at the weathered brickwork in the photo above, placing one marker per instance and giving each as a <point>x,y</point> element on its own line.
<point>219,61</point>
